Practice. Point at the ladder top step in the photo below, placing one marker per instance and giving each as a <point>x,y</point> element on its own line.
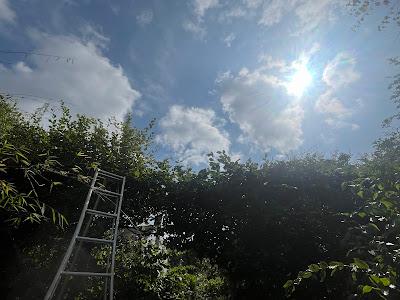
<point>109,174</point>
<point>93,240</point>
<point>100,213</point>
<point>101,191</point>
<point>85,274</point>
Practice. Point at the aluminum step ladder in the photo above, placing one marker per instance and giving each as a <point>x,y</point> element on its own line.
<point>105,195</point>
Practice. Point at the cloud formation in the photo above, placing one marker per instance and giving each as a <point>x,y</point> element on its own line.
<point>338,73</point>
<point>273,11</point>
<point>195,26</point>
<point>311,14</point>
<point>90,84</point>
<point>145,17</point>
<point>201,6</point>
<point>308,15</point>
<point>258,103</point>
<point>262,103</point>
<point>228,40</point>
<point>7,15</point>
<point>192,133</point>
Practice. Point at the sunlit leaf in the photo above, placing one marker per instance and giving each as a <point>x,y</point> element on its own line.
<point>366,289</point>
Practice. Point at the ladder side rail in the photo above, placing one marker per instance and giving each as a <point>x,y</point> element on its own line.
<point>106,280</point>
<point>115,239</point>
<point>53,286</point>
<point>79,246</point>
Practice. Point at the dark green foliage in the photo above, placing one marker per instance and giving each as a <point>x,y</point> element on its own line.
<point>152,271</point>
<point>371,264</point>
<point>325,226</point>
<point>261,222</point>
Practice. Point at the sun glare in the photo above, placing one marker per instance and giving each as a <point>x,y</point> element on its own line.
<point>299,81</point>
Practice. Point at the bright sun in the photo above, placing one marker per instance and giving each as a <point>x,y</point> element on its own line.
<point>299,81</point>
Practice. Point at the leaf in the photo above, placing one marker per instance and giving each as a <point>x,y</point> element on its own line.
<point>288,284</point>
<point>366,289</point>
<point>323,265</point>
<point>336,264</point>
<point>21,155</point>
<point>388,204</point>
<point>360,194</point>
<point>375,279</point>
<point>385,281</point>
<point>313,268</point>
<point>389,194</point>
<point>354,276</point>
<point>361,264</point>
<point>372,225</point>
<point>25,162</point>
<point>362,214</point>
<point>306,275</point>
<point>53,213</point>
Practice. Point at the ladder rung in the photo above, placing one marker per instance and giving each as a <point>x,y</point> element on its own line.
<point>100,213</point>
<point>106,192</point>
<point>94,240</point>
<point>84,273</point>
<point>110,174</point>
<point>105,176</point>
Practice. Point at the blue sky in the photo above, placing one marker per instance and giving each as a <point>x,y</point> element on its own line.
<point>248,76</point>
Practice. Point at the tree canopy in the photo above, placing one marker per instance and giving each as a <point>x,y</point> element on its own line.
<point>307,227</point>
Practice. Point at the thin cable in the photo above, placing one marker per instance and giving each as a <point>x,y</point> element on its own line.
<point>27,53</point>
<point>33,97</point>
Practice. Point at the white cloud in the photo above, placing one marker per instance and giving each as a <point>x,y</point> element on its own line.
<point>283,66</point>
<point>273,11</point>
<point>303,16</point>
<point>90,84</point>
<point>338,74</point>
<point>7,15</point>
<point>21,67</point>
<point>258,103</point>
<point>271,63</point>
<point>308,15</point>
<point>195,27</point>
<point>253,3</point>
<point>329,104</point>
<point>201,6</point>
<point>229,39</point>
<point>337,124</point>
<point>235,12</point>
<point>92,34</point>
<point>115,9</point>
<point>312,13</point>
<point>192,133</point>
<point>261,103</point>
<point>145,17</point>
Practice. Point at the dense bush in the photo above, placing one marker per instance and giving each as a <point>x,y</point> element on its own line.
<point>232,230</point>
